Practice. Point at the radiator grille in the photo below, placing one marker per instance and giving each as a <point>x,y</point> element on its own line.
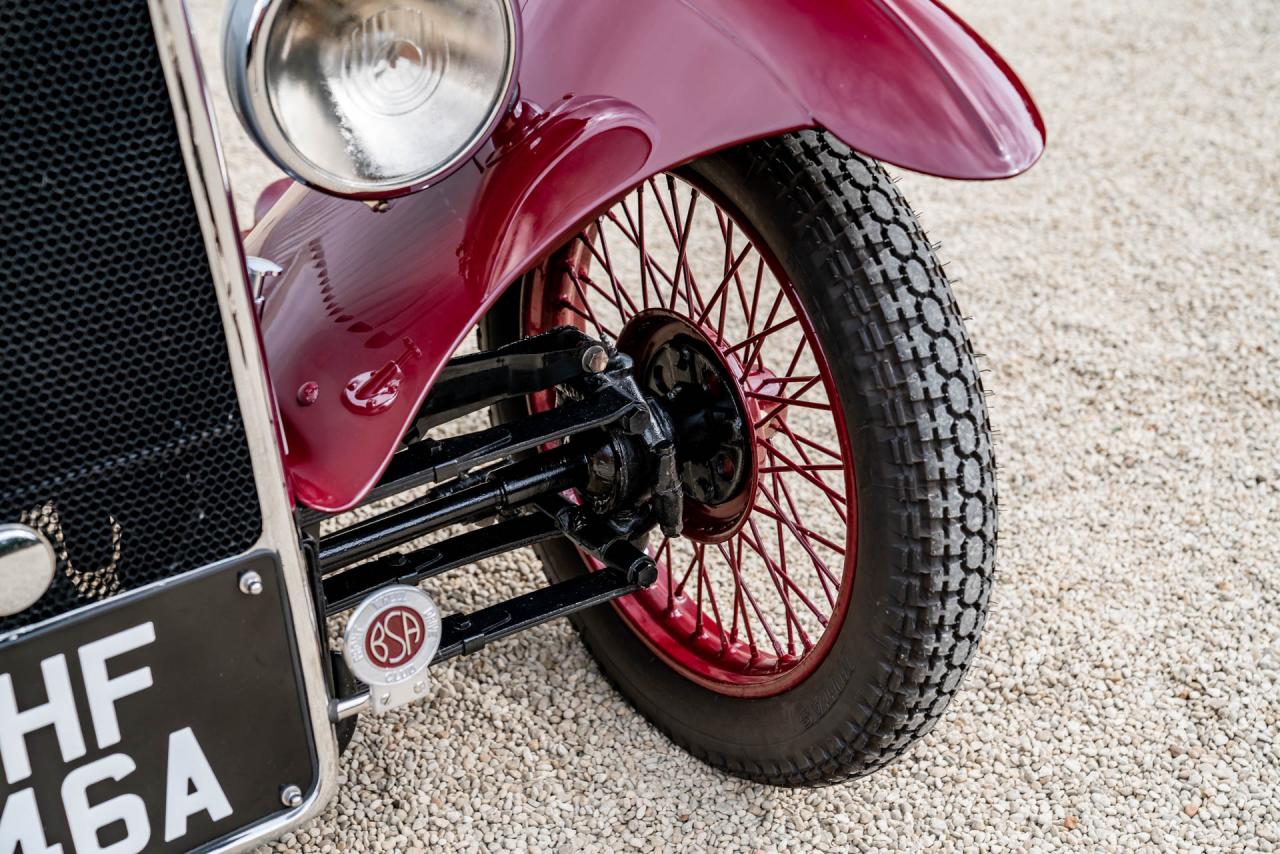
<point>120,434</point>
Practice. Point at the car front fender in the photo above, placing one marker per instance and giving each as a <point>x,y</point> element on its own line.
<point>611,92</point>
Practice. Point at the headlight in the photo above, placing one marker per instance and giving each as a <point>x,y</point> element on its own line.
<point>371,98</point>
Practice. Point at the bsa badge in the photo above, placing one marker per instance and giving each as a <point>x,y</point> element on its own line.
<point>389,641</point>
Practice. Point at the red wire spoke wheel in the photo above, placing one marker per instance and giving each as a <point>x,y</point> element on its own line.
<point>782,305</point>
<point>748,599</point>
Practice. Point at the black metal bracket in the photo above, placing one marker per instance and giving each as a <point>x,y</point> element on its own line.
<point>614,545</point>
<point>463,634</point>
<point>501,490</point>
<point>473,382</point>
<point>347,589</point>
<point>432,461</point>
<point>604,398</point>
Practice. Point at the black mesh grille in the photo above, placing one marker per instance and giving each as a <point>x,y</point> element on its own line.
<point>120,434</point>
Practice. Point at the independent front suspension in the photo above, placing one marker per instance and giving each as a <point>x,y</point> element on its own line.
<point>598,469</point>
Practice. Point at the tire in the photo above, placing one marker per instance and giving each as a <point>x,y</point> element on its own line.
<point>916,421</point>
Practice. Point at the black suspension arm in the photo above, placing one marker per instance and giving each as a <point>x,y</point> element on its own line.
<point>503,489</point>
<point>470,383</point>
<point>345,590</point>
<point>433,461</point>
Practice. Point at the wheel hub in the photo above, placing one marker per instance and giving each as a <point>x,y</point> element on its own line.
<point>700,388</point>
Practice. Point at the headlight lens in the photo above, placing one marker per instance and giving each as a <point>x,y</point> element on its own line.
<point>371,98</point>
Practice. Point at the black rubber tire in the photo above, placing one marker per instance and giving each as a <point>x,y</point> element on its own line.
<point>914,406</point>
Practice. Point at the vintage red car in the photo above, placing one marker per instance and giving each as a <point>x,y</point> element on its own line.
<point>733,406</point>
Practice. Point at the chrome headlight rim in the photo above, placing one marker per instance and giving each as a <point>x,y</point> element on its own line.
<point>246,28</point>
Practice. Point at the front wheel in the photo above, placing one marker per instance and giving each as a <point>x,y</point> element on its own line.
<point>832,578</point>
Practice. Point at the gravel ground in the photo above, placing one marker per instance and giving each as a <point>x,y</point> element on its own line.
<point>1127,692</point>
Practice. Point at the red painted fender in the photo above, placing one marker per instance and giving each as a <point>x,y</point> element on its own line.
<point>611,92</point>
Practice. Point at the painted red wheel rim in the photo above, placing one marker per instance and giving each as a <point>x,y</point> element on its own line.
<point>749,601</point>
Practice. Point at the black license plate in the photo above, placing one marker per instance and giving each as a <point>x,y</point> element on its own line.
<point>160,723</point>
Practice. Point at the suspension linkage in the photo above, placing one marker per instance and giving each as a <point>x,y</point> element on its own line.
<point>501,490</point>
<point>626,569</point>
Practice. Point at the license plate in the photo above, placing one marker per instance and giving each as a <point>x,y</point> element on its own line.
<point>161,722</point>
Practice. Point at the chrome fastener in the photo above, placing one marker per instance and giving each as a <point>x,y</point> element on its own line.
<point>291,796</point>
<point>595,359</point>
<point>250,583</point>
<point>259,270</point>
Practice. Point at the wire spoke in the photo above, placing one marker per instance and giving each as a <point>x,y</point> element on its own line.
<point>587,315</point>
<point>787,380</point>
<point>801,442</point>
<point>711,598</point>
<point>685,578</point>
<point>795,357</point>
<point>740,584</point>
<point>779,573</point>
<point>657,556</point>
<point>792,466</point>
<point>755,301</point>
<point>675,238</point>
<point>582,278</point>
<point>739,604</point>
<point>818,563</point>
<point>682,262</point>
<point>648,263</point>
<point>785,402</point>
<point>796,516</point>
<point>782,561</point>
<point>639,240</point>
<point>783,589</point>
<point>777,469</point>
<point>620,292</point>
<point>760,336</point>
<point>724,284</point>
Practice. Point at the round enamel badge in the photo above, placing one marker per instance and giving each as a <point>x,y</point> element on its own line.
<point>389,641</point>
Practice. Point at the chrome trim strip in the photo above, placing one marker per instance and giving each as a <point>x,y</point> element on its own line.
<point>211,190</point>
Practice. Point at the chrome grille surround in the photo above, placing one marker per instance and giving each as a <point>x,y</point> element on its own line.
<point>201,169</point>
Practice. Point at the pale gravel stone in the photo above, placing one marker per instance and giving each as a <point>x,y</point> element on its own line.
<point>1128,293</point>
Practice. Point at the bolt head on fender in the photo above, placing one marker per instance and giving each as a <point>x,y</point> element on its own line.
<point>390,640</point>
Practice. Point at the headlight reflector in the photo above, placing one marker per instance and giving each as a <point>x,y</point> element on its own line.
<point>371,98</point>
